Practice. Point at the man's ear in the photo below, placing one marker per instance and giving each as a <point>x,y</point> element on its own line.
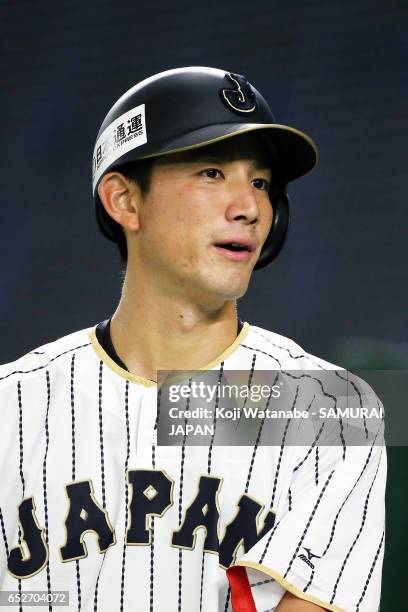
<point>121,199</point>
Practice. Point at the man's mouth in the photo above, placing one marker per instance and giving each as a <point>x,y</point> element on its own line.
<point>233,246</point>
<point>236,246</point>
<point>236,251</point>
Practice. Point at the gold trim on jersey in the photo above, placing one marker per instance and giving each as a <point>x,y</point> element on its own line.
<point>288,586</point>
<point>103,355</point>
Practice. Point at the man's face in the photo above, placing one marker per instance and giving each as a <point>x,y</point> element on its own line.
<point>200,205</point>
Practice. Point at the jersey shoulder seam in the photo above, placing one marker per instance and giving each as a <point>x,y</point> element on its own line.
<point>293,350</point>
<point>41,357</point>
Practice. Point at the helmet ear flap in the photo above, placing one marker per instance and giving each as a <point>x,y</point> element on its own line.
<point>277,234</point>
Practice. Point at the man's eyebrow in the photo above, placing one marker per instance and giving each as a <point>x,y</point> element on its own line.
<point>223,159</point>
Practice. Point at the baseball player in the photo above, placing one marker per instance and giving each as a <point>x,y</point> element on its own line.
<point>190,171</point>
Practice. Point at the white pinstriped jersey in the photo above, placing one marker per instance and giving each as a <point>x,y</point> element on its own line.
<point>114,519</point>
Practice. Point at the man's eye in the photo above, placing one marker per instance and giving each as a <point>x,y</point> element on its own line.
<point>261,183</point>
<point>212,173</point>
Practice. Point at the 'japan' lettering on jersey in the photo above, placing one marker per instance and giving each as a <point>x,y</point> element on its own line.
<point>90,504</point>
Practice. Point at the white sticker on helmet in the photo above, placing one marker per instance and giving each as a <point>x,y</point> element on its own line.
<point>124,134</point>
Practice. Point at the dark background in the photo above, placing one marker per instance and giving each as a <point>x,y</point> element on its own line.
<point>336,70</point>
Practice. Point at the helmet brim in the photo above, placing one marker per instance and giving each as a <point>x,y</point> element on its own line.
<point>296,151</point>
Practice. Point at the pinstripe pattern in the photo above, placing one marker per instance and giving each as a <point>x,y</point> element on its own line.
<point>227,599</point>
<point>309,523</point>
<point>20,436</point>
<point>102,471</point>
<point>289,499</point>
<point>282,446</point>
<point>317,466</point>
<point>3,531</point>
<point>357,536</point>
<point>151,601</point>
<point>261,352</point>
<point>258,437</point>
<point>152,521</point>
<point>45,496</point>
<point>73,415</point>
<point>21,446</point>
<point>265,550</point>
<point>310,450</point>
<point>180,505</point>
<point>333,529</point>
<point>101,434</point>
<point>214,420</point>
<point>251,372</point>
<point>255,351</point>
<point>46,365</point>
<point>284,349</point>
<point>78,575</point>
<point>156,423</point>
<point>255,584</point>
<point>310,581</point>
<point>370,573</point>
<point>328,395</point>
<point>202,580</point>
<point>360,399</point>
<point>209,458</point>
<point>122,580</point>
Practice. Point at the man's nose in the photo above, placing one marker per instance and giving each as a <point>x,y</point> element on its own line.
<point>243,203</point>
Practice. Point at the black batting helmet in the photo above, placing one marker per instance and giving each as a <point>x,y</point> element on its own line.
<point>191,107</point>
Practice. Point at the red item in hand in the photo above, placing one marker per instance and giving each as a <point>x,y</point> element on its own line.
<point>241,594</point>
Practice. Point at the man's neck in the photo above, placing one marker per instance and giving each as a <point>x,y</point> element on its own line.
<point>151,334</point>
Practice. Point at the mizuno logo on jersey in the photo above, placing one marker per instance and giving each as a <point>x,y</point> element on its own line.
<point>308,559</point>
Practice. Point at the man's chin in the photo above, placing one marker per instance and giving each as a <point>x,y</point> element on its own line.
<point>234,291</point>
<point>221,287</point>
